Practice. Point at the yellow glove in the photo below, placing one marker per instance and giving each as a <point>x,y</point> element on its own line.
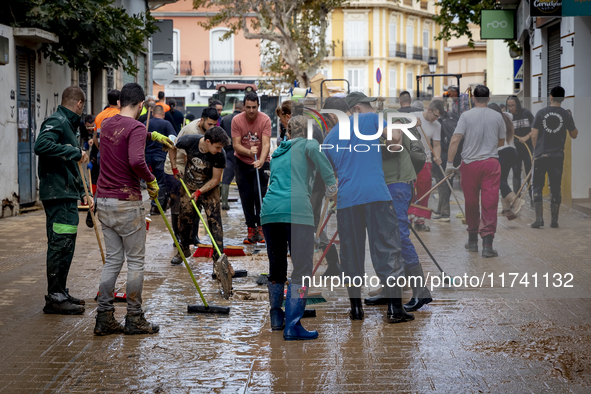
<point>153,189</point>
<point>164,140</point>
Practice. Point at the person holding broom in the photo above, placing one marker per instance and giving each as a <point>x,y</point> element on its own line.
<point>288,220</point>
<point>122,212</point>
<point>60,188</point>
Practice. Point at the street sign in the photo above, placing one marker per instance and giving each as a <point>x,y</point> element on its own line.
<point>163,73</point>
<point>379,76</point>
<point>497,24</point>
<point>517,70</point>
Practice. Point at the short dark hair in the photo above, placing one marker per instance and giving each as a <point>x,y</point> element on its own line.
<point>481,94</point>
<point>190,117</point>
<point>251,96</point>
<point>89,118</point>
<point>172,102</point>
<point>337,103</point>
<point>132,94</point>
<point>216,135</point>
<point>71,95</point>
<point>404,97</point>
<point>557,93</point>
<point>214,102</point>
<point>210,113</point>
<point>113,96</point>
<point>438,105</point>
<point>160,95</point>
<point>158,109</point>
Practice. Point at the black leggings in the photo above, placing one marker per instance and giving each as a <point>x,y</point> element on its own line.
<point>508,159</point>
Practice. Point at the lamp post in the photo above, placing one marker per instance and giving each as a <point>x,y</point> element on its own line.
<point>432,62</point>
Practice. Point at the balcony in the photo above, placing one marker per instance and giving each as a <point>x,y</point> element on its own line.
<point>356,48</point>
<point>182,67</point>
<point>411,52</point>
<point>397,50</point>
<point>222,67</point>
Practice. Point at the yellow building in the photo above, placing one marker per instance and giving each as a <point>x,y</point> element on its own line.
<point>397,37</point>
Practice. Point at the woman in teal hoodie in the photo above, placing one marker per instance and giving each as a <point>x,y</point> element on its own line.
<point>288,220</point>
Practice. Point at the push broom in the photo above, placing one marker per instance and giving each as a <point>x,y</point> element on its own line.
<point>421,211</point>
<point>205,308</point>
<point>221,267</point>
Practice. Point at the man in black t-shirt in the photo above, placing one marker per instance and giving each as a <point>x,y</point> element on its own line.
<point>548,136</point>
<point>206,160</point>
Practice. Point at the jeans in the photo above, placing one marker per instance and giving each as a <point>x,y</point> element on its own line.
<point>124,229</point>
<point>401,195</point>
<point>553,167</point>
<point>300,240</point>
<point>480,182</point>
<point>507,159</point>
<point>380,221</point>
<point>230,164</point>
<point>246,180</point>
<point>443,189</point>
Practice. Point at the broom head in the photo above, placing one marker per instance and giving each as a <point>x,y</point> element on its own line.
<point>420,211</point>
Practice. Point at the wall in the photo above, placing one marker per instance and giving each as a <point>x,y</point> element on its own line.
<point>8,132</point>
<point>499,68</point>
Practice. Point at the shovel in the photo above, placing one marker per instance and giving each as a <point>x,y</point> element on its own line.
<point>221,268</point>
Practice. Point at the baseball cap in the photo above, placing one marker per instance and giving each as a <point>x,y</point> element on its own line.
<point>357,97</point>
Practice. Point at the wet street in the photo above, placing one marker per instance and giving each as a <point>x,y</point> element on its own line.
<point>511,337</point>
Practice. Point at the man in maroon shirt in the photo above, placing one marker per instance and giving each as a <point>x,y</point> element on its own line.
<point>121,211</point>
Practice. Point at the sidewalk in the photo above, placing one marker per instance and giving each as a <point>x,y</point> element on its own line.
<point>487,340</point>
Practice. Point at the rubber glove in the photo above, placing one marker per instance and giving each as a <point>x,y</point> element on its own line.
<point>450,169</point>
<point>196,195</point>
<point>164,140</point>
<point>153,189</point>
<point>89,165</point>
<point>331,191</point>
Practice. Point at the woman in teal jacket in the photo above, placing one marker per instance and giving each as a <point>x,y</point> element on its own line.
<point>288,220</point>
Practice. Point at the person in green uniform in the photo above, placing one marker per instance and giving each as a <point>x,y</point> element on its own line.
<point>287,220</point>
<point>60,188</point>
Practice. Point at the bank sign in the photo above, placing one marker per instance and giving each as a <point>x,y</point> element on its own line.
<point>497,24</point>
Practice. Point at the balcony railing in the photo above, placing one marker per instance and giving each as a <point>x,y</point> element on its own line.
<point>222,67</point>
<point>411,52</point>
<point>183,67</point>
<point>397,50</point>
<point>356,48</point>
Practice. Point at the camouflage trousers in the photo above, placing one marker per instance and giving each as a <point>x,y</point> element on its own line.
<point>208,202</point>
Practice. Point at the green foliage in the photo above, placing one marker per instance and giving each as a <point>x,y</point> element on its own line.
<point>296,27</point>
<point>92,33</point>
<point>455,16</point>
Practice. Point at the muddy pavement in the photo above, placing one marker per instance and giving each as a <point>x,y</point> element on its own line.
<point>483,339</point>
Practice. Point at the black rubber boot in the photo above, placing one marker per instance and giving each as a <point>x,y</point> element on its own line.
<point>487,247</point>
<point>224,191</point>
<point>75,300</point>
<point>420,294</point>
<point>137,325</point>
<point>106,324</point>
<point>174,221</point>
<point>276,300</point>
<point>377,300</point>
<point>58,304</point>
<point>177,260</point>
<point>554,209</point>
<point>472,244</point>
<point>539,207</point>
<point>396,312</point>
<point>356,312</point>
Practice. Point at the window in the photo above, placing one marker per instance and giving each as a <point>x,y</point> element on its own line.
<point>221,53</point>
<point>176,51</point>
<point>356,77</point>
<point>392,40</point>
<point>410,32</point>
<point>355,44</point>
<point>425,45</point>
<point>392,92</point>
<point>409,81</point>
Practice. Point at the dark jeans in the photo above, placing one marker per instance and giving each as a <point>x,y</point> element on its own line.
<point>229,170</point>
<point>553,167</point>
<point>300,240</point>
<point>508,160</point>
<point>443,189</point>
<point>210,203</point>
<point>401,195</point>
<point>524,158</point>
<point>246,179</point>
<point>156,165</point>
<point>61,226</point>
<point>380,221</point>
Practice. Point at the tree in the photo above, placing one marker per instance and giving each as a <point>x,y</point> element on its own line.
<point>294,31</point>
<point>455,16</point>
<point>92,33</point>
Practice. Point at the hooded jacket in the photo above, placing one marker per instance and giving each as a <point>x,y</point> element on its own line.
<point>59,152</point>
<point>293,167</point>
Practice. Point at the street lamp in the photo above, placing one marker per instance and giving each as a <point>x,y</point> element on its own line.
<point>432,62</point>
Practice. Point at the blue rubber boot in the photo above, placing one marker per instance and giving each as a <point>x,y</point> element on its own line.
<point>294,310</point>
<point>276,301</point>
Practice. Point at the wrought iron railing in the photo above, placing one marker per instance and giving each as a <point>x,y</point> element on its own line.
<point>222,67</point>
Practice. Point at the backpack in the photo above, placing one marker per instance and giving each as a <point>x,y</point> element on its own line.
<point>448,127</point>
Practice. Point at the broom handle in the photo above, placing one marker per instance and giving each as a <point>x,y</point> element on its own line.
<point>325,252</point>
<point>320,229</point>
<point>98,238</point>
<point>443,173</point>
<point>215,245</point>
<point>427,250</point>
<point>181,252</point>
<point>433,188</point>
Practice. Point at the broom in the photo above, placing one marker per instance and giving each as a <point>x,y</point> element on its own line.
<point>421,211</point>
<point>207,251</point>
